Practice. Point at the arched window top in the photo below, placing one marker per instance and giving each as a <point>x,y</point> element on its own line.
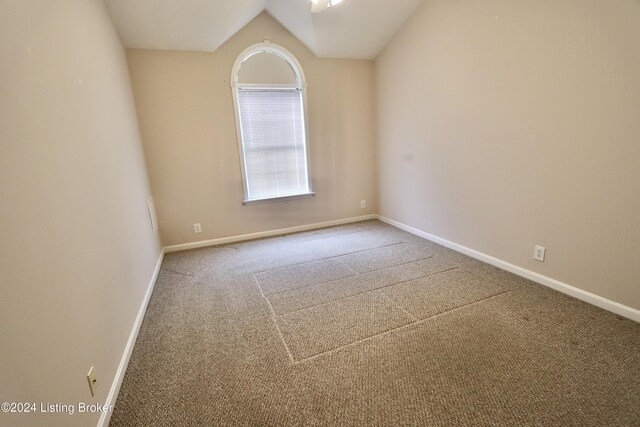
<point>267,64</point>
<point>266,68</point>
<point>269,95</point>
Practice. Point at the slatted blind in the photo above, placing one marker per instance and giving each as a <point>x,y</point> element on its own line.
<point>273,142</point>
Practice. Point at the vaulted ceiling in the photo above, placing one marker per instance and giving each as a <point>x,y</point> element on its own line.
<point>351,29</point>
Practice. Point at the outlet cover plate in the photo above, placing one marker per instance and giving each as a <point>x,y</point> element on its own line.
<point>93,381</point>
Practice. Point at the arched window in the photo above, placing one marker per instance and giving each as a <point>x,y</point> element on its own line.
<point>269,94</point>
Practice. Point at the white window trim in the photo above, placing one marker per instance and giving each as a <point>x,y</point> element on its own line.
<point>302,86</point>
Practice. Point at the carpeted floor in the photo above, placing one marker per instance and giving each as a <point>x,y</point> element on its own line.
<point>365,324</point>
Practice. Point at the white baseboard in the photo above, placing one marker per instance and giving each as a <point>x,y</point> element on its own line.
<point>263,234</point>
<point>585,296</point>
<point>105,417</point>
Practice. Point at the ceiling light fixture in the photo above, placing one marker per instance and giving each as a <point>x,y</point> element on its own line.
<point>322,5</point>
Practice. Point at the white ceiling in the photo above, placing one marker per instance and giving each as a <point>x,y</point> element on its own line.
<point>352,29</point>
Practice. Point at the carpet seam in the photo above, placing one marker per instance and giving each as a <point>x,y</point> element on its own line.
<point>324,237</point>
<point>397,305</point>
<point>397,265</point>
<point>359,293</point>
<point>327,258</point>
<point>417,323</point>
<point>176,273</point>
<point>355,274</point>
<point>275,321</point>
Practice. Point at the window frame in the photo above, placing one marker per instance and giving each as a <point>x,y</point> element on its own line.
<point>285,55</point>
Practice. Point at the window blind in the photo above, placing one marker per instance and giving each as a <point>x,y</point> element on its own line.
<point>273,142</point>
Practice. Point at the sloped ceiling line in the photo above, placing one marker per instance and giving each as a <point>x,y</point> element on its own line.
<point>356,29</point>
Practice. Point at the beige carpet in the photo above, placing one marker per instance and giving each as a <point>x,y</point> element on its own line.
<point>368,325</point>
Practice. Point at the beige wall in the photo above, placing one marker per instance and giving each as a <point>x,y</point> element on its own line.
<point>76,248</point>
<point>188,128</point>
<point>505,124</point>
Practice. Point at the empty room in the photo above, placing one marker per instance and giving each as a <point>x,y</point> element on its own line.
<point>319,212</point>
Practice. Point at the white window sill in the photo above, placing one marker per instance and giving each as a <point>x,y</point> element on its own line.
<point>278,199</point>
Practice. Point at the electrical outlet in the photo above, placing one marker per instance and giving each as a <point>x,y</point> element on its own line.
<point>93,381</point>
<point>539,252</point>
<point>197,228</point>
<point>363,204</point>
